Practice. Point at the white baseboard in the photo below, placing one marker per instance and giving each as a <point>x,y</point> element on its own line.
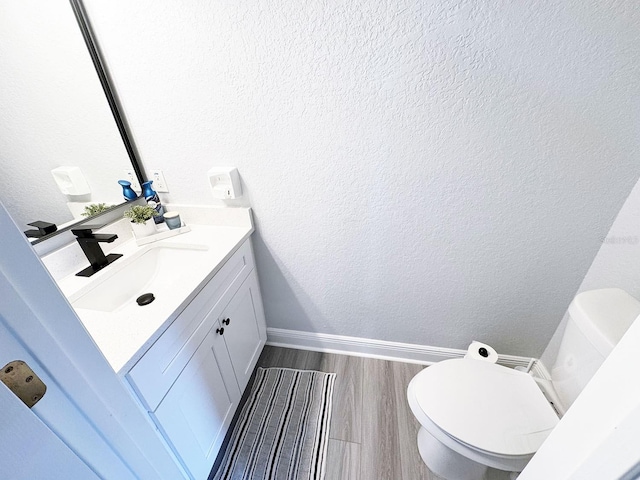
<point>395,351</point>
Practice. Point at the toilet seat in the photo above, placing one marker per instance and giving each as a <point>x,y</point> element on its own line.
<point>487,407</point>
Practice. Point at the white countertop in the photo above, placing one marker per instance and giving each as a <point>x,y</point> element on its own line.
<point>125,334</point>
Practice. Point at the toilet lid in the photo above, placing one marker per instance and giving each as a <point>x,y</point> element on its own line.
<point>485,405</point>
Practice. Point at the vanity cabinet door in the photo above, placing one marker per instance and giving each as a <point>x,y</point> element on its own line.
<point>245,331</point>
<point>196,412</point>
<point>155,372</point>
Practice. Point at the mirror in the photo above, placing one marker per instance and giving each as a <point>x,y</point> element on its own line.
<point>57,115</point>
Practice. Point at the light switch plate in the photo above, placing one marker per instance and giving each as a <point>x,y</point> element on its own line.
<point>159,183</point>
<point>130,176</point>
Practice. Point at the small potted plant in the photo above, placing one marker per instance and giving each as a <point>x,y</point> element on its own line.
<point>140,216</point>
<point>95,209</point>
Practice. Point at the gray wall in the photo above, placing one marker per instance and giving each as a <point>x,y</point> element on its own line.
<point>420,172</point>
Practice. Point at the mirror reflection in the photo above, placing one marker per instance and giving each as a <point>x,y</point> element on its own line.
<point>60,149</point>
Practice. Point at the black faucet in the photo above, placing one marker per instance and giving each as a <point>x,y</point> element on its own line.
<point>43,228</point>
<point>90,244</point>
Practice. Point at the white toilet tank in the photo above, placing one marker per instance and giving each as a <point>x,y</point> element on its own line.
<point>597,321</point>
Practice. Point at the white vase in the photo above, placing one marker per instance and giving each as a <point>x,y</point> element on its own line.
<point>143,229</point>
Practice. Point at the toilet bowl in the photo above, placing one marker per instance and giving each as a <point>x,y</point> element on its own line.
<point>476,415</point>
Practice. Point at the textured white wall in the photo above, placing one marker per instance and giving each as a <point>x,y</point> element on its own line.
<point>52,113</point>
<point>427,172</point>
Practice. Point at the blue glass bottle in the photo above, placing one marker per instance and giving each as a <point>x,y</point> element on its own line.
<point>153,200</point>
<point>128,192</point>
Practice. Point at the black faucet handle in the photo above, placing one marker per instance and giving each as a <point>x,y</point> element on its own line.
<point>83,232</point>
<point>87,229</point>
<point>43,228</point>
<point>86,235</point>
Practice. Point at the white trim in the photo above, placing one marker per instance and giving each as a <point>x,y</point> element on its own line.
<point>369,347</point>
<point>540,371</point>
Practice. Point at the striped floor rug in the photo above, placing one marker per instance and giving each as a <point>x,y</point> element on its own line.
<point>283,429</point>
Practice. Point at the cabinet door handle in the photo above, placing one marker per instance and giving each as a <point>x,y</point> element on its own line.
<point>226,321</point>
<point>220,330</point>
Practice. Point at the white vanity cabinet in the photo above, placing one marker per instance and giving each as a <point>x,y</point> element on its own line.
<point>191,379</point>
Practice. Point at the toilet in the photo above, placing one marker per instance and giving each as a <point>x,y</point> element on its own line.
<point>480,420</point>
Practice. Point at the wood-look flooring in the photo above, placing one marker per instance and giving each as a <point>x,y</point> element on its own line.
<point>373,432</point>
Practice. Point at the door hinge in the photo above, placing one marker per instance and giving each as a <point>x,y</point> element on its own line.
<point>23,382</point>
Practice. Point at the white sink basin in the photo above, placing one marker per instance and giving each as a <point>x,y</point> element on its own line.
<point>156,269</point>
<point>174,269</point>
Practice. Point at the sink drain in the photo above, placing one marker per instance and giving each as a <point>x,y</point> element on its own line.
<point>145,299</point>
